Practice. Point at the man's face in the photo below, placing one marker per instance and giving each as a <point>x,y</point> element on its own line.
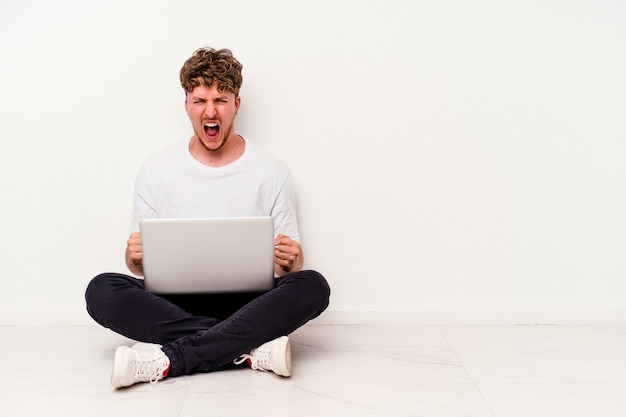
<point>212,115</point>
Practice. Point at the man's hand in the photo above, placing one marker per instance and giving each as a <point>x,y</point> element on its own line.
<point>288,255</point>
<point>134,255</point>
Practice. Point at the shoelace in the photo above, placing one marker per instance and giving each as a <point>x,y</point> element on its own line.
<point>151,365</point>
<point>259,360</point>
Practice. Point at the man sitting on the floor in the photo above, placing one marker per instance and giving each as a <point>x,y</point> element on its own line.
<point>217,173</point>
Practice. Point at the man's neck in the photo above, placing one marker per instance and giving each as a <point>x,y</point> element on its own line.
<point>231,151</point>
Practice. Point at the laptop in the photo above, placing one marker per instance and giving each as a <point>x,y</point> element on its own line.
<point>212,255</point>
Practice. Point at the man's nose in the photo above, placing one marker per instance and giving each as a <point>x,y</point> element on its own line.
<point>210,110</point>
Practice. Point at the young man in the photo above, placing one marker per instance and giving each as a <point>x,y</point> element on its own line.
<point>217,173</point>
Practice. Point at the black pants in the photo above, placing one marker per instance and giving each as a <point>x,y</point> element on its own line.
<point>204,332</point>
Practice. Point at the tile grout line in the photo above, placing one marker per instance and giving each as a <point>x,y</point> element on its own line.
<point>466,371</point>
<point>184,401</point>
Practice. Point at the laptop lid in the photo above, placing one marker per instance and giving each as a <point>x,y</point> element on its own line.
<point>212,255</point>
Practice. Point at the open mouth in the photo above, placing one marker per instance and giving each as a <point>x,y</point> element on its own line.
<point>211,130</point>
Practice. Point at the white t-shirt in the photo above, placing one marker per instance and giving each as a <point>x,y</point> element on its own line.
<point>172,184</point>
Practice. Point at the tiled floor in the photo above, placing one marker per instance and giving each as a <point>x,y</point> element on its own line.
<point>501,371</point>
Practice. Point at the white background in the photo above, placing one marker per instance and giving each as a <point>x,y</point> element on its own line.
<point>456,161</point>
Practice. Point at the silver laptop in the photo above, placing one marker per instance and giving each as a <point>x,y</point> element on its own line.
<point>217,255</point>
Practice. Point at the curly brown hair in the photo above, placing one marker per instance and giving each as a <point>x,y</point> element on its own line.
<point>208,65</point>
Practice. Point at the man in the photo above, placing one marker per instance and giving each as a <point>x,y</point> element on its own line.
<point>217,173</point>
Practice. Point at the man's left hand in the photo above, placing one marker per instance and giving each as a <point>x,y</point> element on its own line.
<point>288,255</point>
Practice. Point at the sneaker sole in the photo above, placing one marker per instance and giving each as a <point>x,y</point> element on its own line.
<point>281,365</point>
<point>118,366</point>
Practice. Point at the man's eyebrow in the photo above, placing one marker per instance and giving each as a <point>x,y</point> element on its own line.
<point>218,97</point>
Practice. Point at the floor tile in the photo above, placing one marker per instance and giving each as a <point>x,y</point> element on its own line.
<point>568,366</point>
<point>370,338</point>
<point>482,371</point>
<point>535,338</point>
<point>312,393</point>
<point>556,400</point>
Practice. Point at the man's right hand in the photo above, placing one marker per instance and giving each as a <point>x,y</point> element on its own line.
<point>134,256</point>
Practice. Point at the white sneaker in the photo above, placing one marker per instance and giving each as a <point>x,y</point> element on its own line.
<point>272,356</point>
<point>144,362</point>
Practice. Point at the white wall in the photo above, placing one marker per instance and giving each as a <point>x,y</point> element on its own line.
<point>457,161</point>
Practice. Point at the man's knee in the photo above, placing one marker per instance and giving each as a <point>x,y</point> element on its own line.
<point>95,287</point>
<point>98,295</point>
<point>316,288</point>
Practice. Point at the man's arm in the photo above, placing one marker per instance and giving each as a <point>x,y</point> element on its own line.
<point>288,256</point>
<point>134,256</point>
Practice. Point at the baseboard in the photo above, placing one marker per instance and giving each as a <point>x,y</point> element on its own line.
<point>379,317</point>
<point>473,317</point>
<point>38,318</point>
